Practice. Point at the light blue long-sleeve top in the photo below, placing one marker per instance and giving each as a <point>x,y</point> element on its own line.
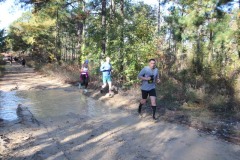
<point>106,69</point>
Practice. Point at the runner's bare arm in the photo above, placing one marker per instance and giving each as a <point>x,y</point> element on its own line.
<point>158,78</point>
<point>141,75</point>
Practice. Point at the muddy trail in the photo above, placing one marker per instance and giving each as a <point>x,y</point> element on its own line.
<point>44,118</point>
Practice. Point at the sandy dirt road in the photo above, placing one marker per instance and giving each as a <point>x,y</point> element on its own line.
<point>78,134</point>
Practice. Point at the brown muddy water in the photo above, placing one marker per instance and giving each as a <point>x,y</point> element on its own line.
<point>50,103</point>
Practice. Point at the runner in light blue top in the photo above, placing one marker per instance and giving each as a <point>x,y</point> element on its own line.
<point>106,69</point>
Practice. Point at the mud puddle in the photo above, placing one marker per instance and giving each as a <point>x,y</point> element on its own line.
<point>50,103</point>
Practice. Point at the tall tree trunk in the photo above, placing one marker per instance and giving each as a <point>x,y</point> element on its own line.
<point>83,29</point>
<point>104,27</point>
<point>112,9</point>
<point>80,26</point>
<point>238,35</point>
<point>122,37</point>
<point>72,48</point>
<point>198,59</point>
<point>57,38</point>
<point>79,38</point>
<point>159,16</point>
<point>210,47</point>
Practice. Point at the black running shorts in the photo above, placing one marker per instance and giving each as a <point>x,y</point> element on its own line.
<point>145,94</point>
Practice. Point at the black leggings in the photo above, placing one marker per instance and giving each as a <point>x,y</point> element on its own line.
<point>84,80</point>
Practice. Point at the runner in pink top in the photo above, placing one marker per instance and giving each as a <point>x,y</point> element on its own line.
<point>84,76</point>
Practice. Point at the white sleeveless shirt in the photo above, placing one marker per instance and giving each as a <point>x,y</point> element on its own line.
<point>85,70</point>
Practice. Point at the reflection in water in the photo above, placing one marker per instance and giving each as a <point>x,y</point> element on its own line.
<point>8,104</point>
<point>50,103</point>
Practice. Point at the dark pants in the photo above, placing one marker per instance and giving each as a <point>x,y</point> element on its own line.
<point>84,80</point>
<point>23,63</point>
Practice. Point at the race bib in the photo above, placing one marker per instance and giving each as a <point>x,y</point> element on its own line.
<point>151,80</point>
